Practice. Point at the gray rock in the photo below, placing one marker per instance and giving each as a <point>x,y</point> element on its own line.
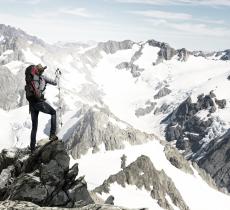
<point>216,162</point>
<point>177,159</point>
<point>134,69</point>
<point>23,205</point>
<point>166,52</point>
<point>110,200</point>
<point>143,174</point>
<point>183,54</point>
<point>162,109</point>
<point>188,124</point>
<point>221,103</point>
<point>162,92</point>
<point>11,89</point>
<point>174,133</point>
<point>28,187</point>
<point>51,173</point>
<point>183,144</point>
<point>99,126</point>
<point>144,111</point>
<point>226,55</point>
<point>43,178</point>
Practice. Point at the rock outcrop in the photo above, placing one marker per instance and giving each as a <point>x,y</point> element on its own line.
<point>23,205</point>
<point>98,126</point>
<point>43,178</point>
<point>177,159</point>
<point>216,161</point>
<point>226,55</point>
<point>143,111</point>
<point>188,129</point>
<point>142,174</point>
<point>162,92</point>
<point>134,69</point>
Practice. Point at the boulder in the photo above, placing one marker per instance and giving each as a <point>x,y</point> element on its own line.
<point>44,178</point>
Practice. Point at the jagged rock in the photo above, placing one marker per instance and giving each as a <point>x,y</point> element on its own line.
<point>111,47</point>
<point>212,94</point>
<point>99,126</point>
<point>163,109</point>
<point>166,52</point>
<point>143,174</point>
<point>173,132</point>
<point>226,55</point>
<point>183,144</point>
<point>183,54</point>
<point>143,111</point>
<point>192,134</point>
<point>177,159</point>
<point>28,187</point>
<point>188,124</point>
<point>221,103</point>
<point>43,178</point>
<point>24,205</point>
<point>11,88</point>
<point>216,161</point>
<point>134,69</point>
<point>162,92</point>
<point>110,200</point>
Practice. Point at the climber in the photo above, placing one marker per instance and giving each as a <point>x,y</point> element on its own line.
<point>35,87</point>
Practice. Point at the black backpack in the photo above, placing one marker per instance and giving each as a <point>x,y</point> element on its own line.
<point>30,92</point>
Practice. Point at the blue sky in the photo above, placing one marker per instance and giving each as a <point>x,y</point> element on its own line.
<point>194,24</point>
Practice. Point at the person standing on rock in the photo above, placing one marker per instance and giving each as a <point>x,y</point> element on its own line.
<point>35,87</point>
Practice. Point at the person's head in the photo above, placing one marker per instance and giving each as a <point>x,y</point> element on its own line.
<point>40,68</point>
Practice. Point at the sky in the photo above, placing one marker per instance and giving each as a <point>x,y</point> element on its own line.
<point>193,24</point>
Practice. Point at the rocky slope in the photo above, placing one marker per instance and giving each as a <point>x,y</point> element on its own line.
<point>142,174</point>
<point>43,179</point>
<point>98,127</point>
<point>191,126</point>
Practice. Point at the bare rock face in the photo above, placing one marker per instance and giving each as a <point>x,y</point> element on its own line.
<point>146,110</point>
<point>183,54</point>
<point>43,178</point>
<point>166,52</point>
<point>143,174</point>
<point>226,55</point>
<point>162,92</point>
<point>177,159</point>
<point>99,126</point>
<point>185,127</point>
<point>188,130</point>
<point>11,90</point>
<point>216,162</point>
<point>24,205</point>
<point>109,47</point>
<point>134,69</point>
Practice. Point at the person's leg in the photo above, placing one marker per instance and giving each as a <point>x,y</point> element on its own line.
<point>34,118</point>
<point>46,108</point>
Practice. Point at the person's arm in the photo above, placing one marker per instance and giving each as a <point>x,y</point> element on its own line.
<point>50,81</point>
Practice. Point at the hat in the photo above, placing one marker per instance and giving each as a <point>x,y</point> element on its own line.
<point>40,67</point>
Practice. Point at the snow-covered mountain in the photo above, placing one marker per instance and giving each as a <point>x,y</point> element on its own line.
<point>125,100</point>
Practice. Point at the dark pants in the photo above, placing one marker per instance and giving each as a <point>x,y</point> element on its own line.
<point>35,108</point>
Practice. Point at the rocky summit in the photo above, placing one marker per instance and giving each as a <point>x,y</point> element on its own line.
<point>43,178</point>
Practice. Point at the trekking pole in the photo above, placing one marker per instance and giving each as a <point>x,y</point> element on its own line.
<point>58,75</point>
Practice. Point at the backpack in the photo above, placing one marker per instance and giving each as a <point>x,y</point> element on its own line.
<point>30,94</point>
